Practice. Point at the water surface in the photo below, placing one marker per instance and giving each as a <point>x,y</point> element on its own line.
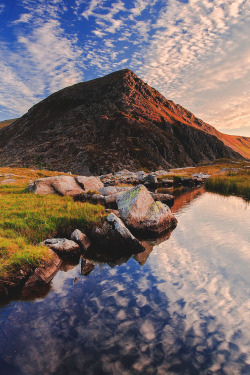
<point>181,307</point>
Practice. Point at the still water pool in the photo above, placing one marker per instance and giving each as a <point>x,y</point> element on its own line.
<point>181,307</point>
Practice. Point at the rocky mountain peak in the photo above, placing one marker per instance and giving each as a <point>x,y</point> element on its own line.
<point>111,123</point>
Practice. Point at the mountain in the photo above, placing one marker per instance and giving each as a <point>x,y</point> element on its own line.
<point>111,123</point>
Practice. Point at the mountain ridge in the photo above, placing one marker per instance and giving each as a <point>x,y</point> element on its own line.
<point>110,123</point>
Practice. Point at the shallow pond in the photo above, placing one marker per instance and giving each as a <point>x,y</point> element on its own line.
<point>181,307</point>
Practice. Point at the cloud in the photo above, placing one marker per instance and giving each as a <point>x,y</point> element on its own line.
<point>199,46</point>
<point>45,58</point>
<point>2,7</point>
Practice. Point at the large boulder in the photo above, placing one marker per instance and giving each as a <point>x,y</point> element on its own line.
<point>42,186</point>
<point>63,247</point>
<point>141,213</point>
<point>66,185</point>
<point>89,183</point>
<point>114,237</point>
<point>62,185</point>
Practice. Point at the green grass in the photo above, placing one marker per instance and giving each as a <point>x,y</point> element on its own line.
<point>27,219</point>
<point>231,183</point>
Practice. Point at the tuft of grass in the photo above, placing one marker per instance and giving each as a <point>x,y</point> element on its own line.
<point>231,183</point>
<point>27,219</point>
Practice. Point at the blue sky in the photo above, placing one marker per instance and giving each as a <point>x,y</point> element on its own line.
<point>195,52</point>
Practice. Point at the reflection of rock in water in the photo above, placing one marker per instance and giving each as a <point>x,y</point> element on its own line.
<point>86,267</point>
<point>186,197</point>
<point>149,245</point>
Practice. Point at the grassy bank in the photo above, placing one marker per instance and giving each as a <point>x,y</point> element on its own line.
<point>231,183</point>
<point>27,219</point>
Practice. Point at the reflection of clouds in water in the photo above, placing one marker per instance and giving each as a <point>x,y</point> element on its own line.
<point>210,283</point>
<point>179,313</point>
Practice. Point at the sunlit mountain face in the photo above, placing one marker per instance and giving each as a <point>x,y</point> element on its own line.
<point>195,52</point>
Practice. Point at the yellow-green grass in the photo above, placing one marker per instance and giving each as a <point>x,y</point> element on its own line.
<point>231,183</point>
<point>27,219</point>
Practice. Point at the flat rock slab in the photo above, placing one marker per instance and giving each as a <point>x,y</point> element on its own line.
<point>63,247</point>
<point>46,272</point>
<point>140,212</point>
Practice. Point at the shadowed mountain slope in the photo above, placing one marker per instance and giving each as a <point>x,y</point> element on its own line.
<point>108,124</point>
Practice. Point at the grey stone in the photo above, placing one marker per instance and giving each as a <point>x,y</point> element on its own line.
<point>62,246</point>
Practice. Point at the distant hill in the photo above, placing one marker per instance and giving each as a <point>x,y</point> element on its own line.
<point>111,123</point>
<point>6,122</point>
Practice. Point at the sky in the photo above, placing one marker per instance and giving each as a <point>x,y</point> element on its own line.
<point>195,52</point>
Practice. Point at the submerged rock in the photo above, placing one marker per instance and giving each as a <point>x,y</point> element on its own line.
<point>140,212</point>
<point>63,246</point>
<point>113,236</point>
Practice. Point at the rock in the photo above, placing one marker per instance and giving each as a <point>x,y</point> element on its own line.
<point>81,239</point>
<point>46,272</point>
<point>201,175</point>
<point>141,213</point>
<point>161,172</point>
<point>111,199</point>
<point>134,203</point>
<point>113,236</point>
<point>89,183</point>
<point>63,246</point>
<point>150,179</point>
<point>122,189</point>
<point>164,198</point>
<point>140,175</point>
<point>66,185</point>
<point>7,181</point>
<point>108,190</point>
<point>63,185</point>
<point>42,186</point>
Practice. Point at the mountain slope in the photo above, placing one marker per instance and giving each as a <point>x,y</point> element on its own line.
<point>7,122</point>
<point>106,124</point>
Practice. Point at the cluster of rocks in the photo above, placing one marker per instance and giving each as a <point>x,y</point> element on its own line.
<point>97,190</point>
<point>137,212</point>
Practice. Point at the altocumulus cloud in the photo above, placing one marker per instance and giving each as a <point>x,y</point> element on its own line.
<point>195,51</point>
